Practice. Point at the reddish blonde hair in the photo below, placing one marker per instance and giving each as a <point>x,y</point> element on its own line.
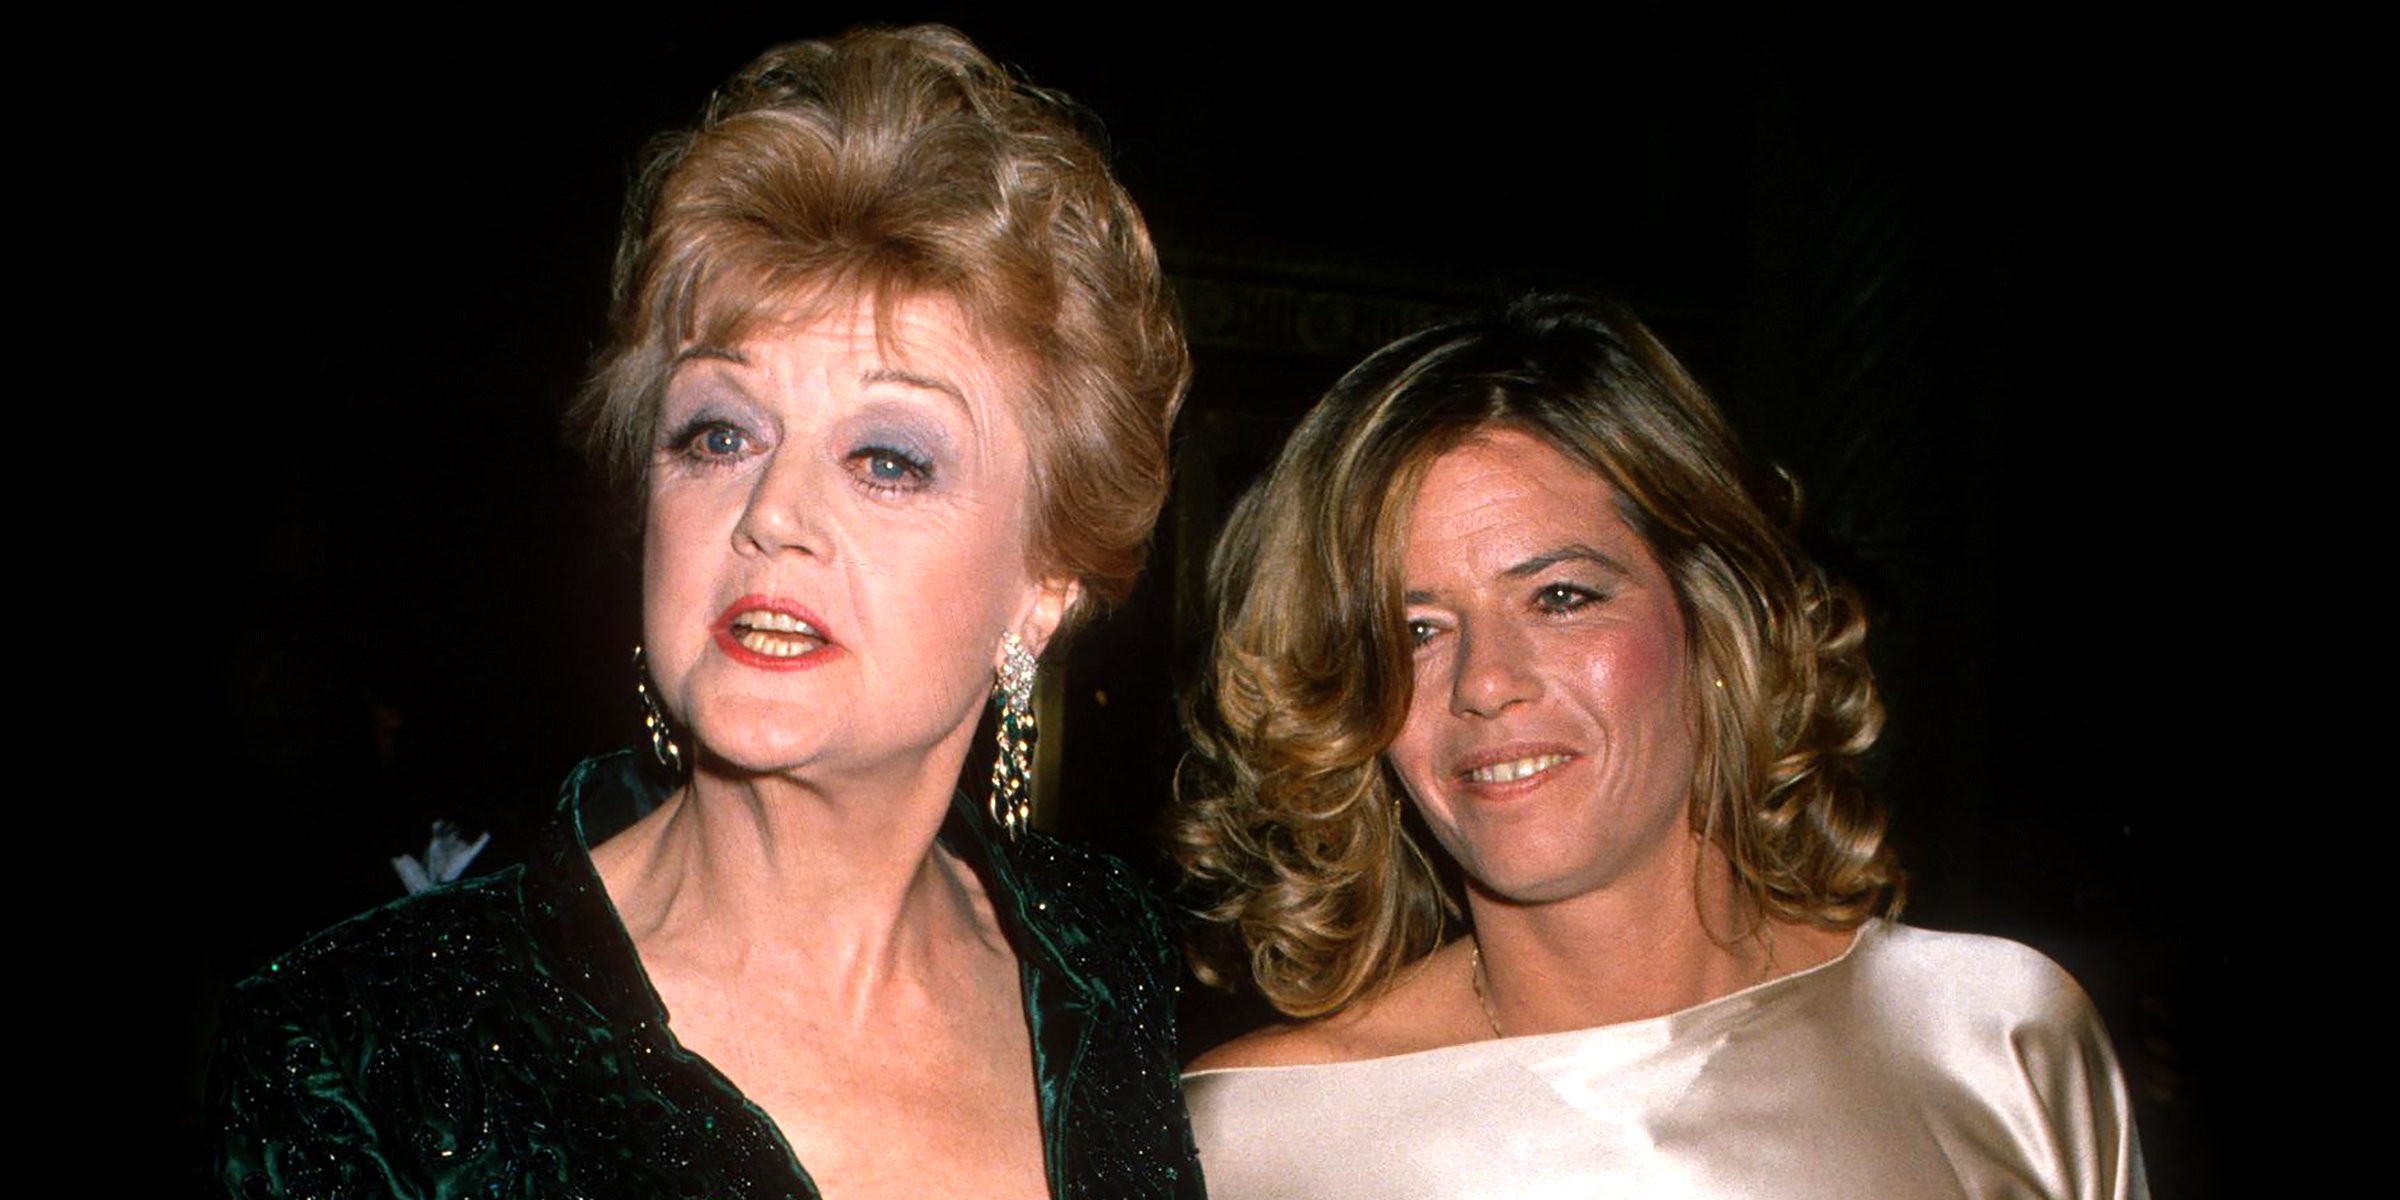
<point>888,164</point>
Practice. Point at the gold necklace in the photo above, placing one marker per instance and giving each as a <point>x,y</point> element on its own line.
<point>1475,979</point>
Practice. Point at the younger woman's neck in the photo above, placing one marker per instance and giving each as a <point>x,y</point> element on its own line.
<point>1622,954</point>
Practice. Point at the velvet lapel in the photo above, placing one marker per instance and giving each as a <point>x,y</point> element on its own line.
<point>1062,1005</point>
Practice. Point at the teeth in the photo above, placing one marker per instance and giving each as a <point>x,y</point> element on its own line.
<point>774,634</point>
<point>1515,769</point>
<point>759,618</point>
<point>774,645</point>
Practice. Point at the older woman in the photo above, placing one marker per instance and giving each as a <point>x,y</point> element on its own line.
<point>1517,573</point>
<point>892,373</point>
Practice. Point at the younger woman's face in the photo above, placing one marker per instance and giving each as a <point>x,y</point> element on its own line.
<point>1550,738</point>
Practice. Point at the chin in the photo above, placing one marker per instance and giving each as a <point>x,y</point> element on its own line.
<point>1531,879</point>
<point>1527,892</point>
<point>1522,883</point>
<point>753,739</point>
<point>743,759</point>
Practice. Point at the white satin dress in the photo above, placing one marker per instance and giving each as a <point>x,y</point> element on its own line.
<point>1917,1064</point>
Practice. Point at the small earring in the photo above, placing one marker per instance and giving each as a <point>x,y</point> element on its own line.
<point>1011,801</point>
<point>654,718</point>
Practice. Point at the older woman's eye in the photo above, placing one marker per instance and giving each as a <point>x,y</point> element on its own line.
<point>886,469</point>
<point>1421,632</point>
<point>711,441</point>
<point>1563,597</point>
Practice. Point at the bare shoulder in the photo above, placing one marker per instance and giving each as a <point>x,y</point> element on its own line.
<point>1300,1043</point>
<point>1414,1014</point>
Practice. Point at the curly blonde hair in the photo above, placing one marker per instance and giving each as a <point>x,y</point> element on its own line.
<point>1288,826</point>
<point>888,164</point>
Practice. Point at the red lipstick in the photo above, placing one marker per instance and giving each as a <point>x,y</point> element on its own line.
<point>772,634</point>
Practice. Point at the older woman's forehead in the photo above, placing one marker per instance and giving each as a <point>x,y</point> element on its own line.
<point>924,340</point>
<point>897,318</point>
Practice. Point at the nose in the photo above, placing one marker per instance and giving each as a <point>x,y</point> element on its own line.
<point>1493,671</point>
<point>783,510</point>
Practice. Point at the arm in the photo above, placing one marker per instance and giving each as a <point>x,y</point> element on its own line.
<point>2072,1071</point>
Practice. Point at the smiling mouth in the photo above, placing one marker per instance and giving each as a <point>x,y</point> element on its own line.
<point>773,635</point>
<point>1517,768</point>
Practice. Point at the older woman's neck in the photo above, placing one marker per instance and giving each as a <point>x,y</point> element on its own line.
<point>775,876</point>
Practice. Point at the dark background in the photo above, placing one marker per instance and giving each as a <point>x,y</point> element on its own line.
<point>1940,268</point>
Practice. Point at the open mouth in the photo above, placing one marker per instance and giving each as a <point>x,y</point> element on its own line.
<point>1517,768</point>
<point>773,634</point>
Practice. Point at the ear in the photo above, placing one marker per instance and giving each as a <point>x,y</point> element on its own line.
<point>1049,604</point>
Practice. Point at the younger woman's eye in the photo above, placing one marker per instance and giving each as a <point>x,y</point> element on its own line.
<point>1563,597</point>
<point>887,469</point>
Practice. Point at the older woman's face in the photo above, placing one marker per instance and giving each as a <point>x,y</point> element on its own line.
<point>836,541</point>
<point>1550,740</point>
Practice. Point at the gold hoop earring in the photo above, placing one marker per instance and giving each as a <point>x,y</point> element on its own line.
<point>1011,801</point>
<point>654,718</point>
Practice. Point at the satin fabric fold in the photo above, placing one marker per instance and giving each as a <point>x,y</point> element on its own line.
<point>1918,1064</point>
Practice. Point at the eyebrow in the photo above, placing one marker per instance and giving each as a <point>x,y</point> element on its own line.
<point>706,353</point>
<point>702,352</point>
<point>1571,552</point>
<point>913,380</point>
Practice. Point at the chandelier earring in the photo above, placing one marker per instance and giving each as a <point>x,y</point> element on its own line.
<point>1011,801</point>
<point>654,718</point>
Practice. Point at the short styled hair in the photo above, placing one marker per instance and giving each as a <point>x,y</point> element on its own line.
<point>1288,825</point>
<point>890,164</point>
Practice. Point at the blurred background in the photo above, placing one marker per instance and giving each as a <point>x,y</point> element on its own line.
<point>1939,268</point>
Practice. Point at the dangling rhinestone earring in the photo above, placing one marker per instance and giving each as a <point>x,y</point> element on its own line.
<point>1011,801</point>
<point>654,718</point>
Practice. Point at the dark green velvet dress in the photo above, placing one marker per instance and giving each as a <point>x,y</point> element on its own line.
<point>498,1038</point>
